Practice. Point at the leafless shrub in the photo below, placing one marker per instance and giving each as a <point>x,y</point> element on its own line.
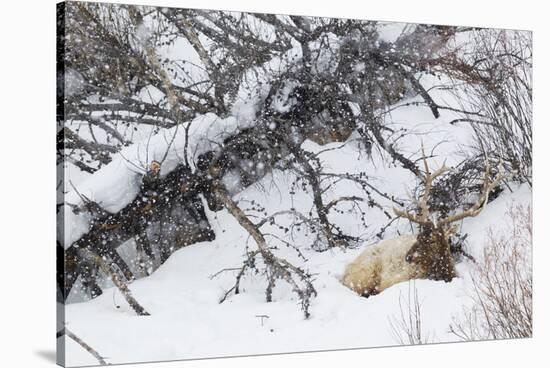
<point>498,94</point>
<point>502,284</point>
<point>407,327</point>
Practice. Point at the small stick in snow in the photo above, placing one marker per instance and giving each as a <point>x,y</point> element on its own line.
<point>262,317</point>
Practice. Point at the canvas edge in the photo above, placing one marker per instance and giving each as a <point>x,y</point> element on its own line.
<point>60,121</point>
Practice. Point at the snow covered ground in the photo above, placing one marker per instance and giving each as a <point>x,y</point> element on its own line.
<point>187,321</point>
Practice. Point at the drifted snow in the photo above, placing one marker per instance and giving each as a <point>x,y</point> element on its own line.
<point>188,322</point>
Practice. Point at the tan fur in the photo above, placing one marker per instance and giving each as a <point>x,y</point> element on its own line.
<point>382,265</point>
<point>155,168</point>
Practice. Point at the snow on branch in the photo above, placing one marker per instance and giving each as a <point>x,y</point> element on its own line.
<point>117,184</point>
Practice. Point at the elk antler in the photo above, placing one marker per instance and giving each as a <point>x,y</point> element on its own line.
<point>422,203</point>
<point>483,197</point>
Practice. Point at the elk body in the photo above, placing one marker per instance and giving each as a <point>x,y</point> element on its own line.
<point>380,266</point>
<point>426,255</point>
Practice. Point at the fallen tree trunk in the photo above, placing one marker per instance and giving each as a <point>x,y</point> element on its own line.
<point>109,231</point>
<point>182,187</point>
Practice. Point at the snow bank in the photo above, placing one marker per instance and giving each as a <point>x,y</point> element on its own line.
<point>188,322</point>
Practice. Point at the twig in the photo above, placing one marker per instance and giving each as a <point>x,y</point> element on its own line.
<point>86,347</point>
<point>276,267</point>
<point>120,284</point>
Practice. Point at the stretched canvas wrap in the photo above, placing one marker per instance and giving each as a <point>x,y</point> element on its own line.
<point>239,184</point>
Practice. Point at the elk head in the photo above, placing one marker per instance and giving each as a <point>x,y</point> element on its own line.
<point>432,250</point>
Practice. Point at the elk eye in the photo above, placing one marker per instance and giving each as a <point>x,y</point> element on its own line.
<point>411,257</point>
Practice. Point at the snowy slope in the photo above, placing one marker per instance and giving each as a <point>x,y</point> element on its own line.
<point>183,296</point>
<point>188,322</point>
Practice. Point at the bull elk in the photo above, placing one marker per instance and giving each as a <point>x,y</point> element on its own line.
<point>426,255</point>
